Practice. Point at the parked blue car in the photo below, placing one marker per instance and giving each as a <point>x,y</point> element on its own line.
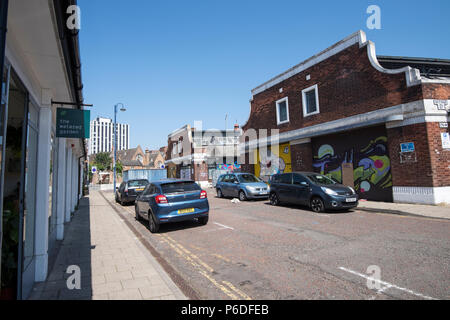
<point>172,200</point>
<point>241,185</point>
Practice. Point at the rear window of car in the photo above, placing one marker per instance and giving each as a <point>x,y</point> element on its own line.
<point>179,187</point>
<point>138,183</point>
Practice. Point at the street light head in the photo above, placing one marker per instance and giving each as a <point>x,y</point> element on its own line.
<point>123,109</point>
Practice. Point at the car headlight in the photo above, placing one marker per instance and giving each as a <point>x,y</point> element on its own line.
<point>353,190</point>
<point>251,188</point>
<point>329,191</point>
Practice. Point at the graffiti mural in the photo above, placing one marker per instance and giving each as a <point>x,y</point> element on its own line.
<point>367,151</point>
<point>229,167</point>
<point>273,162</point>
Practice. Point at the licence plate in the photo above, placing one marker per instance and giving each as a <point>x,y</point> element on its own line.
<point>142,189</point>
<point>351,199</point>
<point>263,192</point>
<point>182,211</point>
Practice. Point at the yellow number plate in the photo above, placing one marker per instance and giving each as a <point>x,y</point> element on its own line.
<point>186,211</point>
<point>142,189</point>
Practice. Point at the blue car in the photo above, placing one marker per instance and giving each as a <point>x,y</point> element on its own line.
<point>172,200</point>
<point>241,185</point>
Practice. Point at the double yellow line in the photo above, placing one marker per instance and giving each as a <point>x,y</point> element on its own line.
<point>204,269</point>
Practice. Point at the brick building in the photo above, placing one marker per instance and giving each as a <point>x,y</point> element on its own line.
<point>197,154</point>
<point>377,123</point>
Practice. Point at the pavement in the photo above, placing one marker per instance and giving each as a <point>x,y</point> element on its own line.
<point>114,265</point>
<point>441,211</point>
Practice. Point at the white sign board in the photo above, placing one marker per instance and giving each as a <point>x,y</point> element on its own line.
<point>445,137</point>
<point>94,169</point>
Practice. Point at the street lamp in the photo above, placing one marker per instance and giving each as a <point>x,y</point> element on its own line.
<point>115,138</point>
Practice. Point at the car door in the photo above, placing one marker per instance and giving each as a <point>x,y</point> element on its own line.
<point>226,190</point>
<point>234,186</point>
<point>285,187</point>
<point>144,200</point>
<point>301,189</point>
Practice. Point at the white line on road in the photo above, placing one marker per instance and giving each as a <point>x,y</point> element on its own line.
<point>224,226</point>
<point>386,284</point>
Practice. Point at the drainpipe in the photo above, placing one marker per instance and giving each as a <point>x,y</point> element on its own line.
<point>3,29</point>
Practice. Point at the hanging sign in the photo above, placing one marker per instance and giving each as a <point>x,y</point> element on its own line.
<point>72,123</point>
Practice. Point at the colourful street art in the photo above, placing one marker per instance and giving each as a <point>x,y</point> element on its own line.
<point>269,163</point>
<point>229,167</point>
<point>369,157</point>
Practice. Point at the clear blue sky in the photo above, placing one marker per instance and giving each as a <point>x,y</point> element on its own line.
<point>174,62</point>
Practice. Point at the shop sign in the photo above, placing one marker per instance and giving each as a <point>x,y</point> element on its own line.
<point>72,123</point>
<point>443,125</point>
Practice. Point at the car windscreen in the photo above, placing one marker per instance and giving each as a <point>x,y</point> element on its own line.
<point>179,187</point>
<point>137,183</point>
<point>247,178</point>
<point>320,179</point>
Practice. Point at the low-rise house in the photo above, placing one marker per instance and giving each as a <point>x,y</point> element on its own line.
<point>199,155</point>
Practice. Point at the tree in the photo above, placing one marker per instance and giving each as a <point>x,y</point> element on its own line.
<point>119,168</point>
<point>103,161</point>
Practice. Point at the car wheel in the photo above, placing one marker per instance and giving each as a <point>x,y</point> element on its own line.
<point>274,199</point>
<point>117,199</point>
<point>317,205</point>
<point>219,193</point>
<point>203,220</point>
<point>242,196</point>
<point>152,225</point>
<point>122,203</point>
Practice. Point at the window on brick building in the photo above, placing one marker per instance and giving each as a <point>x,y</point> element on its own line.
<point>310,101</point>
<point>282,111</point>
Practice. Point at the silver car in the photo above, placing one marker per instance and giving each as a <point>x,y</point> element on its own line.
<point>242,185</point>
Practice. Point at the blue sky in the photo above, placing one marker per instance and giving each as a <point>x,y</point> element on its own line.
<point>174,62</point>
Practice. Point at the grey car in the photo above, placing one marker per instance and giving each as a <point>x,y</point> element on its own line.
<point>241,185</point>
<point>315,190</point>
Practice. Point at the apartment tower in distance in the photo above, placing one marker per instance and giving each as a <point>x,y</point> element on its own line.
<point>102,136</point>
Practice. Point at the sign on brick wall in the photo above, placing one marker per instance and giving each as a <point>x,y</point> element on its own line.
<point>445,137</point>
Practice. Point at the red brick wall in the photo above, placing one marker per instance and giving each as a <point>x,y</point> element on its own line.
<point>440,158</point>
<point>439,91</point>
<point>301,157</point>
<point>348,85</point>
<point>200,172</point>
<point>419,173</point>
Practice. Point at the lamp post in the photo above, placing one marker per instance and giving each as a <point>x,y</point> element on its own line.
<point>115,138</point>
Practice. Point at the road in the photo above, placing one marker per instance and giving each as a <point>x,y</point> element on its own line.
<point>251,250</point>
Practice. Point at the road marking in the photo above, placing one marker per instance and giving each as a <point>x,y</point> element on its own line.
<point>200,269</point>
<point>386,285</point>
<point>239,292</point>
<point>223,226</point>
